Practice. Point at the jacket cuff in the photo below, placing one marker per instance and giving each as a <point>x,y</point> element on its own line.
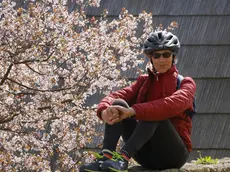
<point>136,116</point>
<point>99,110</point>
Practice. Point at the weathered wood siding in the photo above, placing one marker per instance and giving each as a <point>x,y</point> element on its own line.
<point>204,32</point>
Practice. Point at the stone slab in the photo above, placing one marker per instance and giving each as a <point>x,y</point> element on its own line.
<point>222,166</point>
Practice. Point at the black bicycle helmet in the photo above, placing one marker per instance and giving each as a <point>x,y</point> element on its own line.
<point>161,40</point>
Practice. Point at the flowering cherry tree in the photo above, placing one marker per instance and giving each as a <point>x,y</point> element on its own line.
<point>51,61</point>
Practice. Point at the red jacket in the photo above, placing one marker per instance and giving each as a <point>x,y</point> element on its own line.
<point>154,98</point>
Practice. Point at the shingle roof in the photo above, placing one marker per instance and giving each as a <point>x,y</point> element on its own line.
<point>164,7</point>
<point>204,32</point>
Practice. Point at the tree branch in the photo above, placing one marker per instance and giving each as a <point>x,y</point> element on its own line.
<point>10,130</point>
<point>34,89</point>
<point>8,119</point>
<point>35,60</point>
<point>34,70</point>
<point>44,108</point>
<point>36,121</point>
<point>6,74</point>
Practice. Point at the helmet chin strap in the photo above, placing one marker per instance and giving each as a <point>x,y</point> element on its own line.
<point>153,68</point>
<point>173,61</point>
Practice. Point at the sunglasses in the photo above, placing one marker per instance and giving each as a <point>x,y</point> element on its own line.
<point>158,55</point>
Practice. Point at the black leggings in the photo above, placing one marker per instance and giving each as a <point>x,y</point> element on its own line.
<point>153,144</point>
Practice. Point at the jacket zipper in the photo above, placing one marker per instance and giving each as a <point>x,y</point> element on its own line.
<point>157,75</point>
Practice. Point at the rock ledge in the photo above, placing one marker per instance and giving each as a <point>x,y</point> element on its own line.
<point>222,166</point>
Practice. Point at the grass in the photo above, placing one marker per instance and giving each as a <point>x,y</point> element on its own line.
<point>206,160</point>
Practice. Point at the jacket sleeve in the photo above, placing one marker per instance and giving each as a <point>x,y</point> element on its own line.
<point>170,106</point>
<point>129,94</point>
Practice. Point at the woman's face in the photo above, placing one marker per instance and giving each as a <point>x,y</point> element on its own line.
<point>162,60</point>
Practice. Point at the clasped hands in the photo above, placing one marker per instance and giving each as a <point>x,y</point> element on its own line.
<point>116,113</point>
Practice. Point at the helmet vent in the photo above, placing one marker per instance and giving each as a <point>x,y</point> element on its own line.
<point>175,42</point>
<point>151,40</point>
<point>169,37</point>
<point>160,35</point>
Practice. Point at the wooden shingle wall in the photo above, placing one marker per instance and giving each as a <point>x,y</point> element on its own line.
<point>204,32</point>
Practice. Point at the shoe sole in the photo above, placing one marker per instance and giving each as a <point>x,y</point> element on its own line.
<point>114,170</point>
<point>91,171</point>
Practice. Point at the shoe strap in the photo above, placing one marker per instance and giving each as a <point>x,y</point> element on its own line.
<point>107,153</point>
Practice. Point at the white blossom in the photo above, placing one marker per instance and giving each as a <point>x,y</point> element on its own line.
<point>51,61</point>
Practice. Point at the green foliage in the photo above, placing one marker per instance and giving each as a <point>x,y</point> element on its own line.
<point>206,160</point>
